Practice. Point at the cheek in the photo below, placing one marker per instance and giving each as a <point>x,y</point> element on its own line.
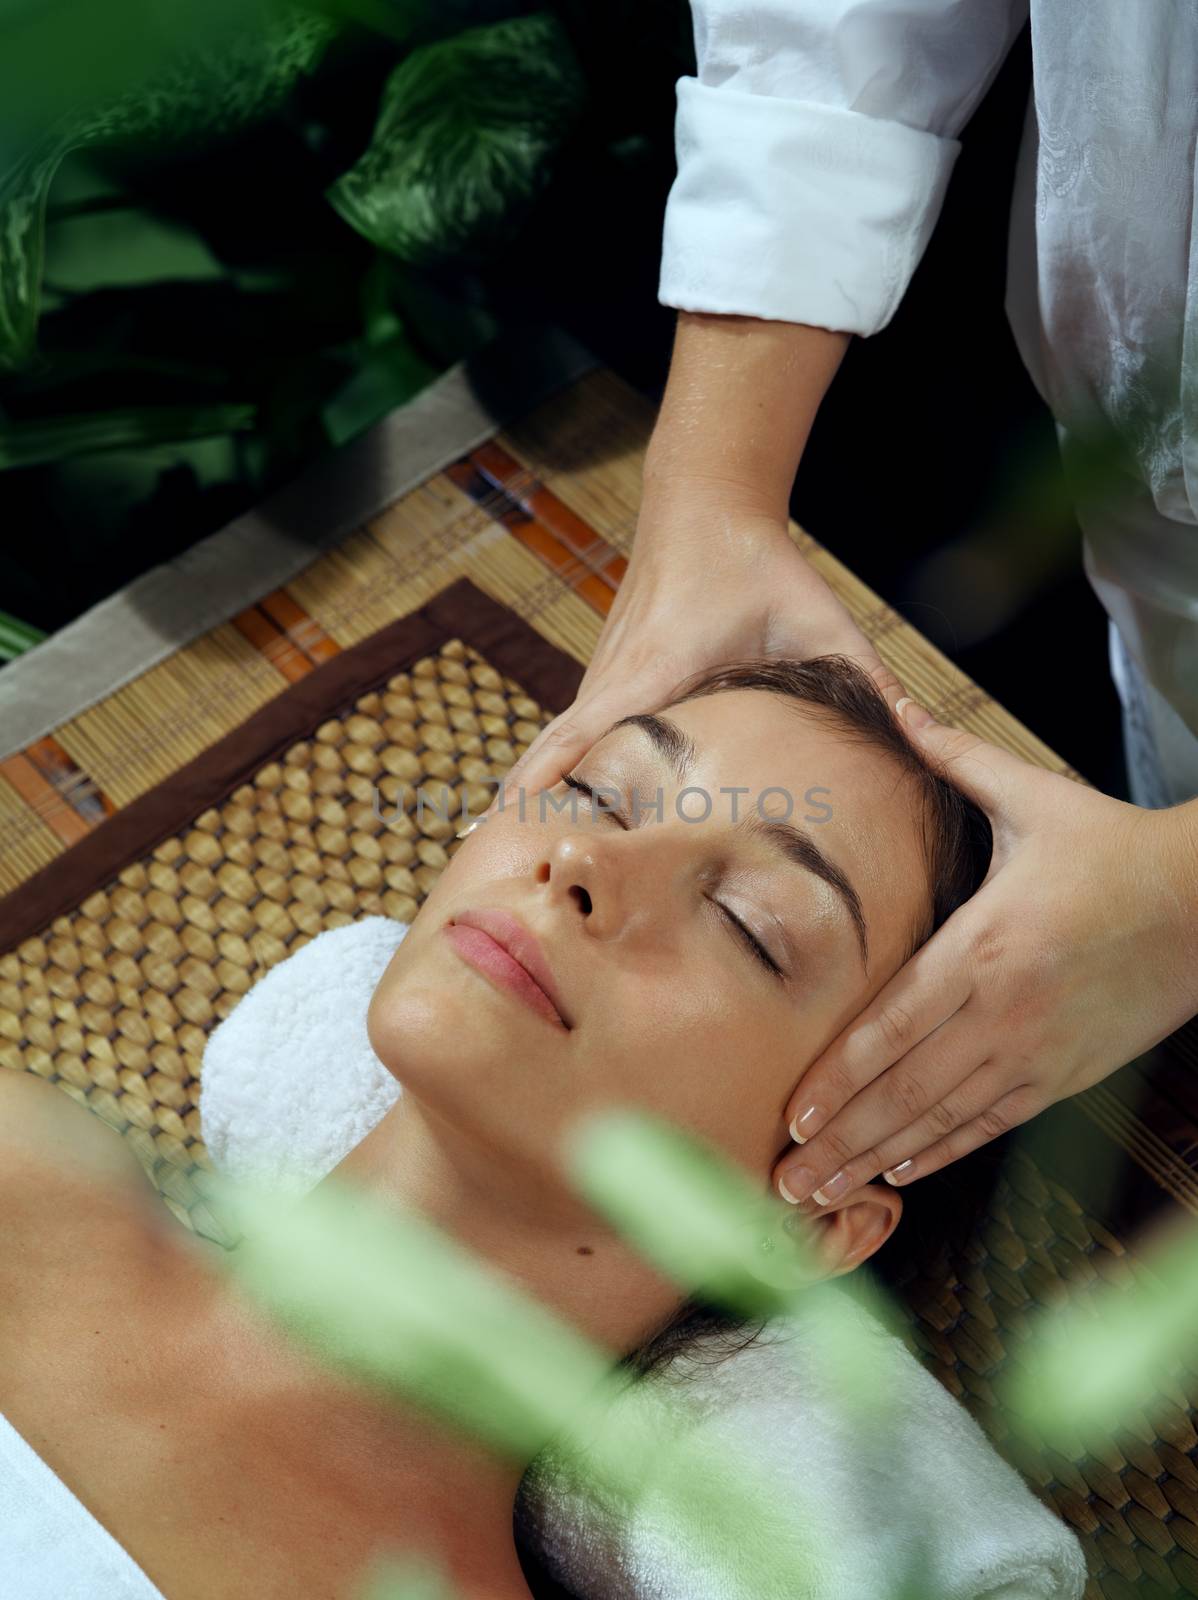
<point>420,999</point>
<point>706,1056</point>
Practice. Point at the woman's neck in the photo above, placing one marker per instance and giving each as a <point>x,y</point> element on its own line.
<point>531,1230</point>
<point>559,1254</point>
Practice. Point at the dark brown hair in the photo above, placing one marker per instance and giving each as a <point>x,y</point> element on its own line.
<point>957,842</point>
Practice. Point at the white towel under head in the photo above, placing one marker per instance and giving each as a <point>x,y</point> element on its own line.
<point>290,1085</point>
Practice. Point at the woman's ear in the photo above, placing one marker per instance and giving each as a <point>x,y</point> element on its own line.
<point>847,1231</point>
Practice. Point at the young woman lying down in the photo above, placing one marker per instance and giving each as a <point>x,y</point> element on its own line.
<point>691,968</point>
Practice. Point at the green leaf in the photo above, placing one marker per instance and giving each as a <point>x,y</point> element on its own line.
<point>398,1303</point>
<point>209,92</point>
<point>16,637</point>
<point>465,141</point>
<point>1114,1350</point>
<point>42,439</point>
<point>24,191</point>
<point>691,1212</point>
<point>416,1577</point>
<point>386,376</point>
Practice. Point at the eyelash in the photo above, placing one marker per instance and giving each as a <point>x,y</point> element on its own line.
<point>751,943</point>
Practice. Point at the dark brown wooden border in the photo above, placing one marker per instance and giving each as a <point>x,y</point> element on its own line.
<point>460,611</point>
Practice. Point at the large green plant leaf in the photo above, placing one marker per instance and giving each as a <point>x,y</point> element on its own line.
<point>210,92</point>
<point>464,143</point>
<point>42,439</point>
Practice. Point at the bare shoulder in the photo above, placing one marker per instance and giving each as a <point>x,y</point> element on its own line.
<point>49,1142</point>
<point>75,1208</point>
<point>85,1257</point>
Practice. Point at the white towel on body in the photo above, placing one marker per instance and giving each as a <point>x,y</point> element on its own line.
<point>51,1547</point>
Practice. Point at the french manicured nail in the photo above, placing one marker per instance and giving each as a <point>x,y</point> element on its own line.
<point>899,1173</point>
<point>803,1126</point>
<point>833,1187</point>
<point>912,713</point>
<point>795,1185</point>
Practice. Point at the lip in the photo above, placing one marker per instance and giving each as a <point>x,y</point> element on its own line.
<point>514,958</point>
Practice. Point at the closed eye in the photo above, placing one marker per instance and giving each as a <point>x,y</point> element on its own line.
<point>743,933</point>
<point>753,943</point>
<point>602,804</point>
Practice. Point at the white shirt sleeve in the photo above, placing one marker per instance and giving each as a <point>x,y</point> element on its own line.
<point>814,150</point>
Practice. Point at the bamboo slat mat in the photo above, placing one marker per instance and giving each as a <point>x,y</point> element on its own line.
<point>163,849</point>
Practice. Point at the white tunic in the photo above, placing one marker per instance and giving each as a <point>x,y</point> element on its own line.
<point>814,149</point>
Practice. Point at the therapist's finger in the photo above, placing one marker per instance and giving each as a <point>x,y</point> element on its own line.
<point>1018,1106</point>
<point>558,747</point>
<point>974,1087</point>
<point>933,1089</point>
<point>924,993</point>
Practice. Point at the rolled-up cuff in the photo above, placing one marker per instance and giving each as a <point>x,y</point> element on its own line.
<point>797,211</point>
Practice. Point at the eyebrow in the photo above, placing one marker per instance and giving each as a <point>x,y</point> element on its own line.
<point>792,843</point>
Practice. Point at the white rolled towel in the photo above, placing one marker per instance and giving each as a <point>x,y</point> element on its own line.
<point>290,1085</point>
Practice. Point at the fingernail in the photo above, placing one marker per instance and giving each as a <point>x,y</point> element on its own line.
<point>470,829</point>
<point>912,713</point>
<point>811,1121</point>
<point>897,1174</point>
<point>833,1187</point>
<point>795,1184</point>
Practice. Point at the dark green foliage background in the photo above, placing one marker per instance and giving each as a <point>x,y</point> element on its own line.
<point>231,241</point>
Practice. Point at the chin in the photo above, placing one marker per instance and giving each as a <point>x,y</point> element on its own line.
<point>474,1065</point>
<point>447,1048</point>
<point>420,1030</point>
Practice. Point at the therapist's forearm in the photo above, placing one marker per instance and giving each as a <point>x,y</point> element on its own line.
<point>738,407</point>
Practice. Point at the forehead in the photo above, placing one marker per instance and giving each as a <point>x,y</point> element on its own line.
<point>865,810</point>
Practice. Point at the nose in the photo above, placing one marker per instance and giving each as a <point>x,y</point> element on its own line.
<point>583,873</point>
<point>618,882</point>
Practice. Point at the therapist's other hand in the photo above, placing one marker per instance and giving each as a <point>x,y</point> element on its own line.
<point>1078,952</point>
<point>713,578</point>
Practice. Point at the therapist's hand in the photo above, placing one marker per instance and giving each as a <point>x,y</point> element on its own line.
<point>1078,952</point>
<point>713,578</point>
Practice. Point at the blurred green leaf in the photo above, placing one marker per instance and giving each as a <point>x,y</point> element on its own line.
<point>1113,1350</point>
<point>690,1212</point>
<point>465,141</point>
<point>413,1578</point>
<point>402,1304</point>
<point>42,439</point>
<point>399,1303</point>
<point>703,1223</point>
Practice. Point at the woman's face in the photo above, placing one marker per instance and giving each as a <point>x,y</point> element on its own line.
<point>666,1005</point>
